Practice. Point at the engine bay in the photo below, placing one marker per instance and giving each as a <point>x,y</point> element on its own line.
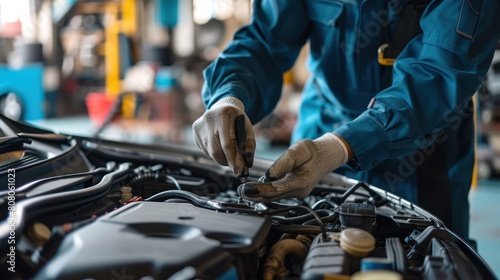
<point>83,208</point>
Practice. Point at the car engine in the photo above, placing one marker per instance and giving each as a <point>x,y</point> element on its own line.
<point>83,208</point>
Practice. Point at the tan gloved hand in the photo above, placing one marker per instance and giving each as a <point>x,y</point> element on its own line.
<point>298,170</point>
<point>214,134</point>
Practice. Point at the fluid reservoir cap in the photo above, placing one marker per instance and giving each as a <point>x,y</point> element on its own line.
<point>357,242</point>
<point>377,275</point>
<point>40,233</point>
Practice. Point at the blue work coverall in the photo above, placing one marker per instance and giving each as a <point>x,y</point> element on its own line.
<point>416,139</point>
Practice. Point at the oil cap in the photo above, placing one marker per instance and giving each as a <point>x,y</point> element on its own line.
<point>357,242</point>
<point>39,233</point>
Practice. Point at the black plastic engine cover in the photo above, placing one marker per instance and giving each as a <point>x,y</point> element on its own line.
<point>158,239</point>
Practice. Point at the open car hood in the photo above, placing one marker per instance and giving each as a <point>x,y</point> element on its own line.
<point>83,208</point>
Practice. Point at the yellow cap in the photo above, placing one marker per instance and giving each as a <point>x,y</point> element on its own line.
<point>377,275</point>
<point>357,242</point>
<point>40,233</point>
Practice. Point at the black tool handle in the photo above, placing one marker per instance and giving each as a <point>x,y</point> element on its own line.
<point>241,140</point>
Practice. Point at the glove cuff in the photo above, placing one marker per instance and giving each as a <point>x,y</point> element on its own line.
<point>331,147</point>
<point>229,101</point>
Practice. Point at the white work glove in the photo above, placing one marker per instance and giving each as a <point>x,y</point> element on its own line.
<point>298,170</point>
<point>214,133</point>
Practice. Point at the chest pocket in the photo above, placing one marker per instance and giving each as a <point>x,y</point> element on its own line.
<point>469,18</point>
<point>324,12</point>
<point>324,17</point>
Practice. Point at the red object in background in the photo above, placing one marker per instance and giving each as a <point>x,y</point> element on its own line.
<point>10,29</point>
<point>99,105</point>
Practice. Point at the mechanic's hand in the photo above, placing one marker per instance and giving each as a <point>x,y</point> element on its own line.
<point>214,134</point>
<point>298,170</point>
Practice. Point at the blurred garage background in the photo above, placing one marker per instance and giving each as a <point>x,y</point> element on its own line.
<point>131,70</point>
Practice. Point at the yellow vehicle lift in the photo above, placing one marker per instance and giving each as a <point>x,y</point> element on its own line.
<point>121,18</point>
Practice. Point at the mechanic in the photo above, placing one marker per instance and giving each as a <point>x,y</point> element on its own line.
<point>406,128</point>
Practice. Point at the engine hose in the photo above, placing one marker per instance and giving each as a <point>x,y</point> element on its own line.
<point>302,218</point>
<point>274,266</point>
<point>196,200</point>
<point>142,177</point>
<point>139,179</point>
<point>376,198</point>
<point>332,217</point>
<point>321,202</point>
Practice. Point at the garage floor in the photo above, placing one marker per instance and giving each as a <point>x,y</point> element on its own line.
<point>484,199</point>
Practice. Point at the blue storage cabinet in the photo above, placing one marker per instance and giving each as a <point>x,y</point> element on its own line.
<point>27,84</point>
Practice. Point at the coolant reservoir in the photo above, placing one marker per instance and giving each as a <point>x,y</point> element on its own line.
<point>357,215</point>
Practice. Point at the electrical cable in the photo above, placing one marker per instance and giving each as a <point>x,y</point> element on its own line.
<point>286,209</point>
<point>324,235</point>
<point>176,183</point>
<point>302,218</point>
<point>332,217</point>
<point>215,205</point>
<point>242,208</point>
<point>320,202</point>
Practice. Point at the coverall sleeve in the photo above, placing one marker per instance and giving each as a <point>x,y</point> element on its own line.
<point>434,78</point>
<point>252,65</point>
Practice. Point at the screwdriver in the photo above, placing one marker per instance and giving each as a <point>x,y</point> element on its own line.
<point>241,140</point>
